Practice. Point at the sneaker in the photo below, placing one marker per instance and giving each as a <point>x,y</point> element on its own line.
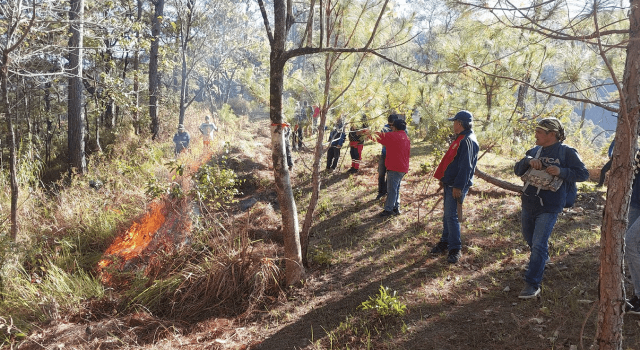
<point>396,211</point>
<point>385,213</point>
<point>441,247</point>
<point>633,306</point>
<point>380,195</point>
<point>529,292</point>
<point>352,171</point>
<point>454,256</point>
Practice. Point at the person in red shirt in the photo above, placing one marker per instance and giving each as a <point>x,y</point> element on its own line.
<point>397,163</point>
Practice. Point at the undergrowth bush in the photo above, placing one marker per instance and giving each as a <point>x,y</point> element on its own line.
<point>224,272</point>
<point>216,185</point>
<point>386,303</point>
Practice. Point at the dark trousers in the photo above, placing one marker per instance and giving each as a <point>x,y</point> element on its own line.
<point>297,138</point>
<point>382,172</point>
<point>355,150</point>
<point>333,154</point>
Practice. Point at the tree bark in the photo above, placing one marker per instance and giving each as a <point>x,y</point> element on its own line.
<point>497,182</point>
<point>6,109</point>
<point>76,128</point>
<point>154,81</point>
<point>315,170</point>
<point>136,75</point>
<point>614,221</point>
<point>294,270</point>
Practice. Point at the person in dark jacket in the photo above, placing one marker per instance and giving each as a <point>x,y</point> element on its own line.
<point>287,146</point>
<point>336,140</point>
<point>455,173</point>
<point>356,144</point>
<point>181,139</point>
<point>382,169</point>
<point>632,242</point>
<point>540,208</point>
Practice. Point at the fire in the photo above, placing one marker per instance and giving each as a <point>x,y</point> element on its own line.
<point>132,242</point>
<point>155,230</point>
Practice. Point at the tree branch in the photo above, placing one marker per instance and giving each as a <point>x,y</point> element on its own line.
<point>263,11</point>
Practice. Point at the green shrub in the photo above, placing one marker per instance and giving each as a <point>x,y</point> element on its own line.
<point>385,304</point>
<point>215,185</point>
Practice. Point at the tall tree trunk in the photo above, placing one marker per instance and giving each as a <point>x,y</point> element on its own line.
<point>183,83</point>
<point>294,270</point>
<point>76,131</point>
<point>154,82</point>
<point>6,110</point>
<point>315,169</point>
<point>136,74</point>
<point>614,221</point>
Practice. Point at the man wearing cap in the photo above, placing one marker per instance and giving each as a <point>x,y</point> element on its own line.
<point>206,129</point>
<point>181,139</point>
<point>540,207</point>
<point>398,150</point>
<point>455,173</point>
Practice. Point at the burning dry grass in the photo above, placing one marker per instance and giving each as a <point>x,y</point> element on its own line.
<point>227,274</point>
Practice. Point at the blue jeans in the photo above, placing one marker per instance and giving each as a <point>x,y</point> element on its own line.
<point>536,230</point>
<point>450,223</point>
<point>393,190</point>
<point>634,213</point>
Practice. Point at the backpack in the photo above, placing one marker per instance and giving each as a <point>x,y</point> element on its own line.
<point>572,189</point>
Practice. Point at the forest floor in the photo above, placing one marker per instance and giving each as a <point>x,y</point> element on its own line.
<point>469,305</point>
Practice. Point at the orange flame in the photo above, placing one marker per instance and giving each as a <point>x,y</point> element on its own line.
<point>132,242</point>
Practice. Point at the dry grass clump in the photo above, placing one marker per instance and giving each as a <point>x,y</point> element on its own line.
<point>229,274</point>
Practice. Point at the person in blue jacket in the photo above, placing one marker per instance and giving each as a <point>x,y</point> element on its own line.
<point>181,139</point>
<point>540,208</point>
<point>336,139</point>
<point>632,242</point>
<point>455,173</point>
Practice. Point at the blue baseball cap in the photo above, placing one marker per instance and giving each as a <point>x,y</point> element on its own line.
<point>400,124</point>
<point>463,116</point>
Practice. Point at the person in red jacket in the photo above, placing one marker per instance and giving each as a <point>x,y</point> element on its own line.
<point>397,163</point>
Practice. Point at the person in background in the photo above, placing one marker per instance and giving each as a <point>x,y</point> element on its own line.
<point>336,139</point>
<point>181,139</point>
<point>607,166</point>
<point>632,241</point>
<point>316,114</point>
<point>299,120</point>
<point>382,169</point>
<point>206,129</point>
<point>287,146</point>
<point>398,152</point>
<point>540,208</point>
<point>356,143</point>
<point>455,173</point>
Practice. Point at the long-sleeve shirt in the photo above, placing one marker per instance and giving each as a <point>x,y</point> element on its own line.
<point>459,163</point>
<point>207,130</point>
<point>572,170</point>
<point>181,139</point>
<point>398,150</point>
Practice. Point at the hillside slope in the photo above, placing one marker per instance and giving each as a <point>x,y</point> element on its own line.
<point>470,305</point>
